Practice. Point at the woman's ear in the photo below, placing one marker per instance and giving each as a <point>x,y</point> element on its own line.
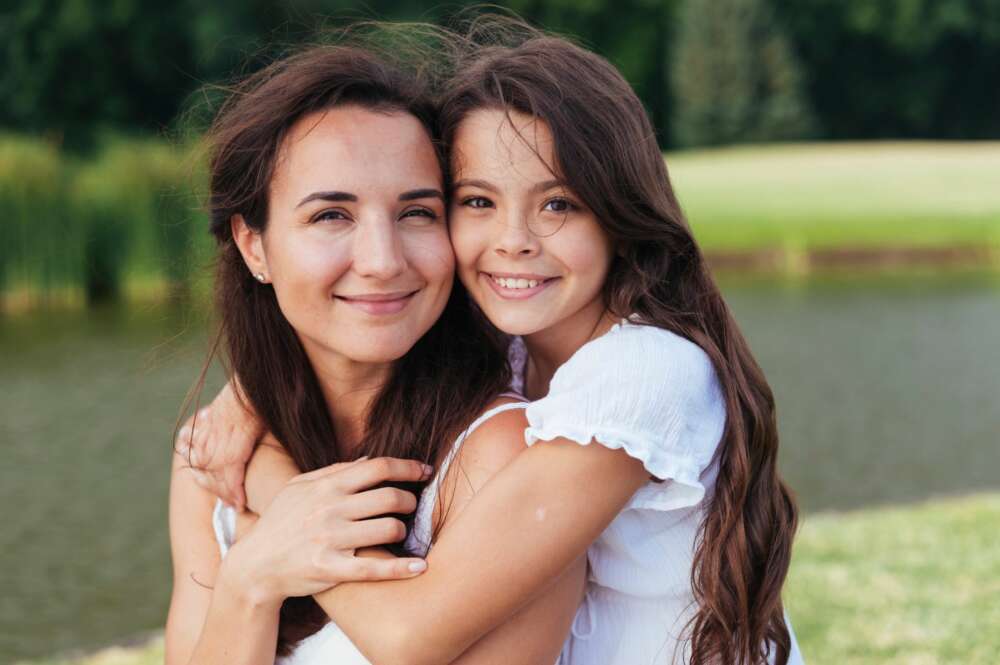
<point>251,246</point>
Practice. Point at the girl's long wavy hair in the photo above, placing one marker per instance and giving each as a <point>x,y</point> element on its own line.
<point>607,153</point>
<point>436,389</point>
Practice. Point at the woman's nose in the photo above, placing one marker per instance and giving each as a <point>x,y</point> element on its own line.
<point>378,250</point>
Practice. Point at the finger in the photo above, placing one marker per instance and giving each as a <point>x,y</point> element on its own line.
<point>380,501</point>
<point>325,471</point>
<point>356,569</point>
<point>233,479</point>
<point>368,533</point>
<point>203,480</point>
<point>369,473</point>
<point>182,444</point>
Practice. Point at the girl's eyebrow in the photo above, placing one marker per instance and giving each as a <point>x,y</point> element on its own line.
<point>546,185</point>
<point>482,184</point>
<point>543,186</point>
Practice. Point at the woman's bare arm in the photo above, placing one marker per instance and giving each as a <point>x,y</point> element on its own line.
<point>204,606</point>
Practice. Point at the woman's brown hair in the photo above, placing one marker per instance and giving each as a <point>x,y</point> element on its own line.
<point>607,153</point>
<point>435,390</point>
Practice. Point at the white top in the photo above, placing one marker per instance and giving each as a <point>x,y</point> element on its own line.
<point>654,395</point>
<point>330,644</point>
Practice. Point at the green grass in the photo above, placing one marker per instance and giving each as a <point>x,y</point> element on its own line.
<point>825,195</point>
<point>915,585</point>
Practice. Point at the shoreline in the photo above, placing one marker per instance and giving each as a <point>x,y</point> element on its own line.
<point>790,261</point>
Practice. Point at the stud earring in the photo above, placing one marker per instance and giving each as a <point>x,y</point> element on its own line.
<point>260,277</point>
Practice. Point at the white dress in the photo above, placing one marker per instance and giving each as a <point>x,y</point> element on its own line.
<point>330,645</point>
<point>654,395</point>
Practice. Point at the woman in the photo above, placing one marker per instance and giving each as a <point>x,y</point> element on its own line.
<point>660,438</point>
<point>338,313</point>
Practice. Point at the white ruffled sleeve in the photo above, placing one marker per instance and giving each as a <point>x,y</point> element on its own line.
<point>646,391</point>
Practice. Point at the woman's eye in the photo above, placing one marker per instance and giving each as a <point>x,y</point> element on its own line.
<point>420,213</point>
<point>478,202</point>
<point>559,205</point>
<point>330,216</point>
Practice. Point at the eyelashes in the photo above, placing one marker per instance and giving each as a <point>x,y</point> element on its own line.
<point>558,204</point>
<point>337,215</point>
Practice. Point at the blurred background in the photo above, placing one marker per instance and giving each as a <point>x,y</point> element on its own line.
<point>839,161</point>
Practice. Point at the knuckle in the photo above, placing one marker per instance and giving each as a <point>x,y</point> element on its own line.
<point>395,530</point>
<point>403,501</point>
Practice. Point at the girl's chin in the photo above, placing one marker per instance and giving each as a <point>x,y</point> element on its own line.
<point>516,323</point>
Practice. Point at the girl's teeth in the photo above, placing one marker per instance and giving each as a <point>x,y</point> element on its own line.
<point>510,283</point>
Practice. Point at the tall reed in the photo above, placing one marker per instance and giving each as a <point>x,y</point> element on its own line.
<point>131,213</point>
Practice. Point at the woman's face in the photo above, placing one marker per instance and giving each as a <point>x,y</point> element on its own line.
<point>530,252</point>
<point>356,246</point>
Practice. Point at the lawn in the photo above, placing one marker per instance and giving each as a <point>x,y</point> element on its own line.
<point>914,584</point>
<point>817,195</point>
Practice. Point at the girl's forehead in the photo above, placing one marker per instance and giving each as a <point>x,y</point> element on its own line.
<point>503,143</point>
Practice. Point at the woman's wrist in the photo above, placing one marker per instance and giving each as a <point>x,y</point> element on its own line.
<point>239,580</point>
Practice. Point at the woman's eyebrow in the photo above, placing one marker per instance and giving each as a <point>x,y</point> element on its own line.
<point>428,193</point>
<point>327,196</point>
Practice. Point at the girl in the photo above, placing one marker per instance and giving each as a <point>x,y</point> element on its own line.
<point>652,432</point>
<point>335,294</point>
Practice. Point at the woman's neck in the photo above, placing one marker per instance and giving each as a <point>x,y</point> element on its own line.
<point>550,348</point>
<point>349,388</point>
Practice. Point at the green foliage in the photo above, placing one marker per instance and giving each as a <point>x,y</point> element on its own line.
<point>900,68</point>
<point>133,209</point>
<point>735,79</point>
<point>34,214</point>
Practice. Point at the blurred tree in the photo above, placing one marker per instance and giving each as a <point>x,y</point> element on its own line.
<point>635,35</point>
<point>73,68</point>
<point>734,78</point>
<point>900,68</point>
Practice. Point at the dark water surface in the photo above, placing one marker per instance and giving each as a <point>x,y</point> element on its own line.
<point>887,391</point>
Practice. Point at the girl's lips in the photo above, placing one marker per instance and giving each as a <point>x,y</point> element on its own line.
<point>379,303</point>
<point>517,294</point>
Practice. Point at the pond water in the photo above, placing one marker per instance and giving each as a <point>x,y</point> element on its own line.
<point>887,391</point>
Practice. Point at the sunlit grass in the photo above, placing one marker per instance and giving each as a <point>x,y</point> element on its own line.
<point>841,194</point>
<point>904,585</point>
<point>916,584</point>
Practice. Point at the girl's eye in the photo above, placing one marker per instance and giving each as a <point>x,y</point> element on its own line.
<point>420,214</point>
<point>559,205</point>
<point>477,202</point>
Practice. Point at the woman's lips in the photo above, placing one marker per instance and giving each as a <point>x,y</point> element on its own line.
<point>517,287</point>
<point>380,303</point>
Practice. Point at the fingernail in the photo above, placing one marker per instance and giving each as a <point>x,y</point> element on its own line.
<point>428,470</point>
<point>418,566</point>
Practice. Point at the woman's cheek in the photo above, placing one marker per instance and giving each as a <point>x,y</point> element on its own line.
<point>465,243</point>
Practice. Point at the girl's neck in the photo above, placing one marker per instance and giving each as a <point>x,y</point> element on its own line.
<point>550,348</point>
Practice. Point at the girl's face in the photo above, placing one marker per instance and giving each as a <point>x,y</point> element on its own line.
<point>532,255</point>
<point>356,245</point>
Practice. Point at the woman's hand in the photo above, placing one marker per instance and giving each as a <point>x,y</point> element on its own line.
<point>218,441</point>
<point>305,541</point>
